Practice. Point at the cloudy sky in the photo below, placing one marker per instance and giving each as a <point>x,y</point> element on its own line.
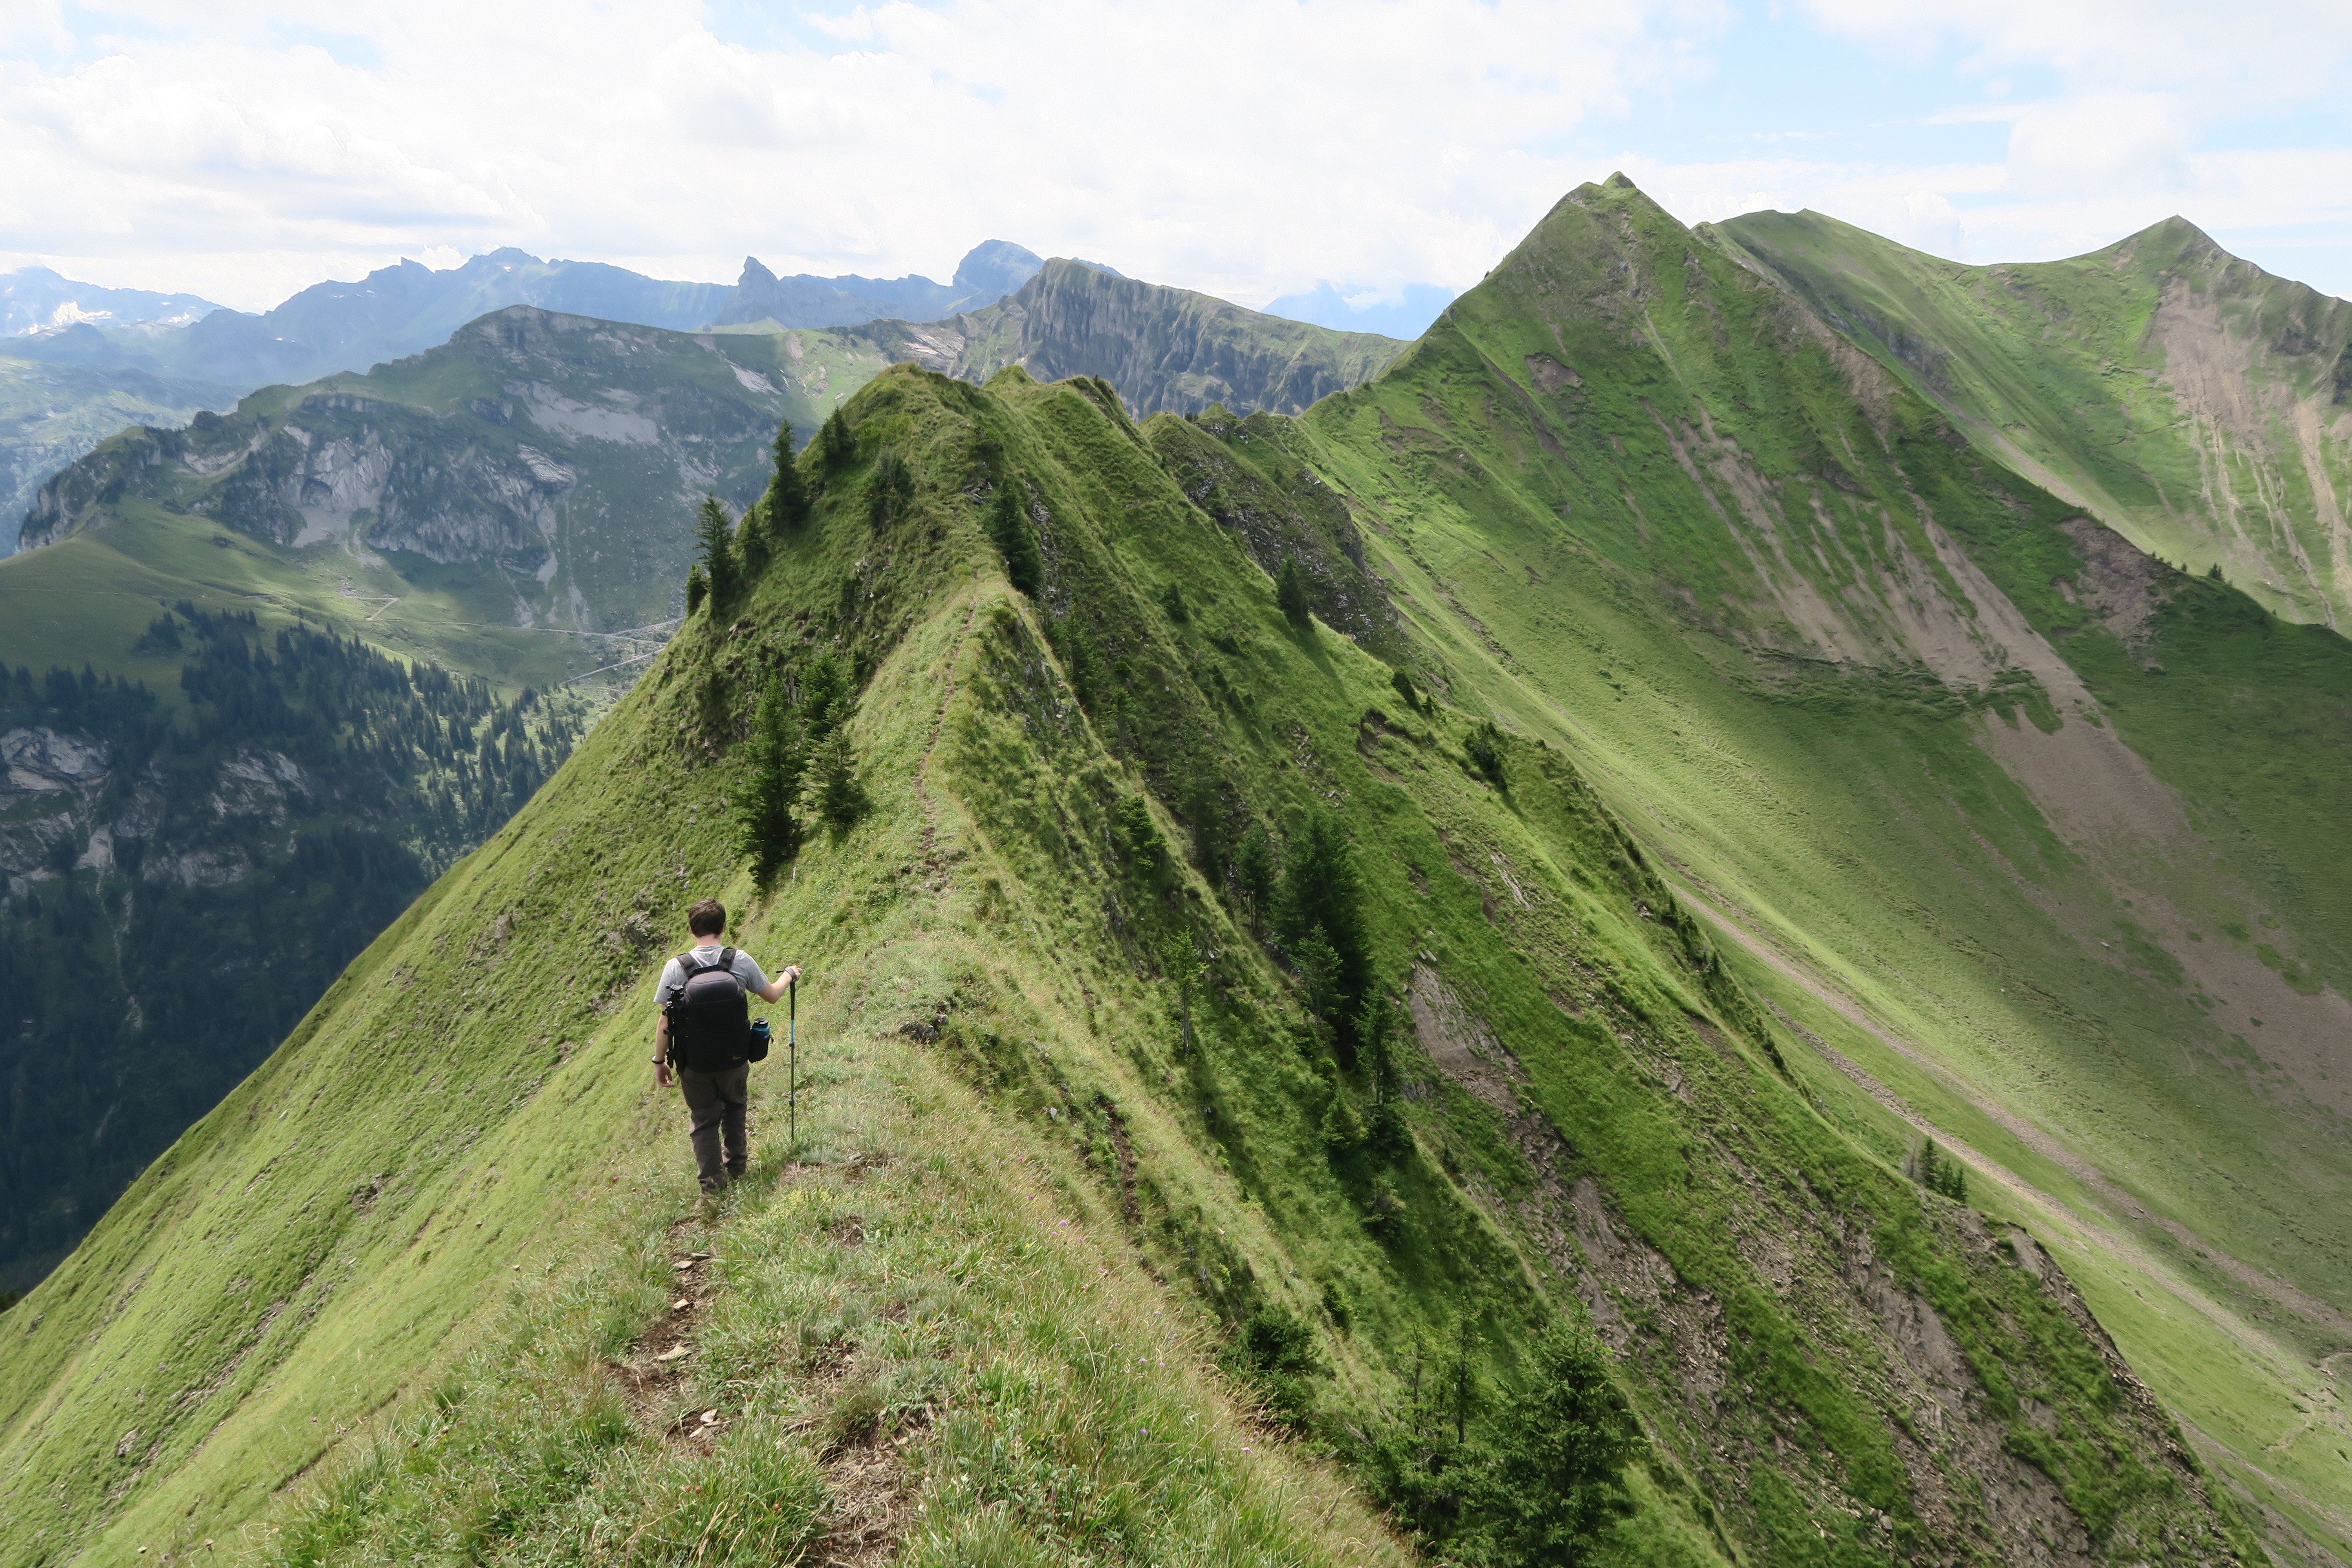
<point>242,149</point>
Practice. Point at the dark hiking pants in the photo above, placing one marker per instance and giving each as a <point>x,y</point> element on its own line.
<point>714,1104</point>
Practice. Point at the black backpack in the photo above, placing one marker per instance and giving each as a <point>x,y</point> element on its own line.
<point>710,1021</point>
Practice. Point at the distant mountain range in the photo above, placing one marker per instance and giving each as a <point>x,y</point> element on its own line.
<point>35,298</point>
<point>987,273</point>
<point>111,357</point>
<point>1168,350</point>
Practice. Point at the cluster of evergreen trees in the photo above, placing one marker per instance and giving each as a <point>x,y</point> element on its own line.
<point>800,767</point>
<point>394,737</point>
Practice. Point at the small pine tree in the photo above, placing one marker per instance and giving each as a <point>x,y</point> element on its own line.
<point>1290,593</point>
<point>788,501</point>
<point>1016,541</point>
<point>825,702</point>
<point>755,539</point>
<point>1485,747</point>
<point>1402,681</point>
<point>1376,1030</point>
<point>835,444</point>
<point>1204,814</point>
<point>767,815</point>
<point>1942,1175</point>
<point>1255,868</point>
<point>891,492</point>
<point>698,587</point>
<point>1554,1490</point>
<point>839,795</point>
<point>1320,888</point>
<point>835,793</point>
<point>714,535</point>
<point>1318,977</point>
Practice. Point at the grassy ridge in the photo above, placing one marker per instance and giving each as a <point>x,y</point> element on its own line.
<point>2183,396</point>
<point>1594,1109</point>
<point>1785,627</point>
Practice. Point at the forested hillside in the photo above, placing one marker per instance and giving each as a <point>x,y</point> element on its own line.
<point>182,881</point>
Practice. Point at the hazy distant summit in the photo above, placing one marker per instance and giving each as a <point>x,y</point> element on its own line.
<point>988,272</point>
<point>35,298</point>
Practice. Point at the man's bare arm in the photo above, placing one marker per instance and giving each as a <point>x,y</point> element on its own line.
<point>773,991</point>
<point>661,1050</point>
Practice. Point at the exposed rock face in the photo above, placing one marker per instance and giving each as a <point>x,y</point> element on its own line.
<point>562,454</point>
<point>41,761</point>
<point>1164,349</point>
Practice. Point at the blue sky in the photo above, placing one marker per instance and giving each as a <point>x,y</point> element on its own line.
<point>1356,159</point>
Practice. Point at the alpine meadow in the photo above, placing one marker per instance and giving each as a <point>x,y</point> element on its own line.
<point>1670,928</point>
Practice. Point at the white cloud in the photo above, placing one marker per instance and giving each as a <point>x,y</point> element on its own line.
<point>1231,144</point>
<point>247,147</point>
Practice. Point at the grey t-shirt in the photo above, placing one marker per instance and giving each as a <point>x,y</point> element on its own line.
<point>673,979</point>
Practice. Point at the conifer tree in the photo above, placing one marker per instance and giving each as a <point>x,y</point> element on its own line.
<point>767,815</point>
<point>1255,869</point>
<point>1290,593</point>
<point>1485,748</point>
<point>755,538</point>
<point>1320,890</point>
<point>835,792</point>
<point>1554,1487</point>
<point>1024,568</point>
<point>835,443</point>
<point>698,587</point>
<point>788,492</point>
<point>892,489</point>
<point>714,534</point>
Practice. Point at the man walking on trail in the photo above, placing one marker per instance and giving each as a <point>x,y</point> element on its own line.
<point>705,1032</point>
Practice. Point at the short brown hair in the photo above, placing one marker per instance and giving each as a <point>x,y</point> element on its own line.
<point>708,917</point>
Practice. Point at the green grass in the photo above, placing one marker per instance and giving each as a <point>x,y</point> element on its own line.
<point>1062,1147</point>
<point>2065,372</point>
<point>1871,833</point>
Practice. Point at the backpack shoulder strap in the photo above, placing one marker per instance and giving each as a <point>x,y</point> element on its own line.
<point>726,960</point>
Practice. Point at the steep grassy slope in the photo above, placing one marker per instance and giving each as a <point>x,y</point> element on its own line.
<point>1164,349</point>
<point>1075,1133</point>
<point>2187,399</point>
<point>503,517</point>
<point>2030,833</point>
<point>511,506</point>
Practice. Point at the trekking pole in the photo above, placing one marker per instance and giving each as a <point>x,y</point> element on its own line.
<point>792,1067</point>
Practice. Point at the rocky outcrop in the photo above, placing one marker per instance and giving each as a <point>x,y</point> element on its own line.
<point>1166,350</point>
<point>530,434</point>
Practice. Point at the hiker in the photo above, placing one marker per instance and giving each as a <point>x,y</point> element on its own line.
<point>706,1031</point>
